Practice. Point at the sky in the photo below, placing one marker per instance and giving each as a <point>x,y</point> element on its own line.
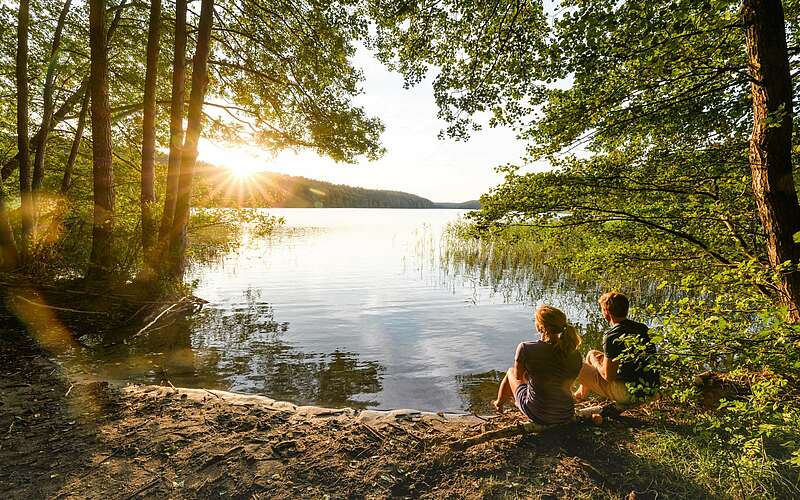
<point>416,161</point>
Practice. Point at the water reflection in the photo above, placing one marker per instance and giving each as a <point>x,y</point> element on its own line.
<point>477,390</point>
<point>240,348</point>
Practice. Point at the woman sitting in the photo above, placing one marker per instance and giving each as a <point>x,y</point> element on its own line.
<point>540,382</point>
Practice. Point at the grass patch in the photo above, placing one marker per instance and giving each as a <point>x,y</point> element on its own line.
<point>720,472</point>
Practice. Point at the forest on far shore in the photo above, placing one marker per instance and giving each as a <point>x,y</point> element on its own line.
<point>217,187</point>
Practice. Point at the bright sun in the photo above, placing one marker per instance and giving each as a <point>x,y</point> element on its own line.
<point>243,170</point>
<point>240,160</point>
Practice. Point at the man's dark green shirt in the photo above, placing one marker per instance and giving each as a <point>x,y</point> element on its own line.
<point>631,338</point>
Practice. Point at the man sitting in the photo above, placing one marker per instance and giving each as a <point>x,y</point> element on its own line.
<point>623,372</point>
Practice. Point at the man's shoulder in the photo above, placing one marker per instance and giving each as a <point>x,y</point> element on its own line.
<point>631,326</point>
<point>625,327</point>
<point>614,331</point>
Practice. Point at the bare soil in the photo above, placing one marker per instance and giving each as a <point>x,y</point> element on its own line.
<point>60,438</point>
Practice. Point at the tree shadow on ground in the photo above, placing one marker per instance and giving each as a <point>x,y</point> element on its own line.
<point>48,426</point>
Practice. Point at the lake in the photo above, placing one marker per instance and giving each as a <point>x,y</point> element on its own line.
<point>348,307</point>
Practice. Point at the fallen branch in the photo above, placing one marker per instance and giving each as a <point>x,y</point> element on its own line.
<point>161,314</point>
<point>521,429</point>
<point>518,429</point>
<point>375,434</point>
<point>65,309</point>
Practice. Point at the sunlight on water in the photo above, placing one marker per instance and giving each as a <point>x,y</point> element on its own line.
<point>349,307</point>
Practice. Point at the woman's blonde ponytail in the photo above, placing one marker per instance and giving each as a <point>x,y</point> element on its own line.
<point>568,339</point>
<point>553,326</point>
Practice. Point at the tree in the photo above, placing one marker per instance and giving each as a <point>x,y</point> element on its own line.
<point>287,69</point>
<point>47,108</point>
<point>771,143</point>
<point>8,246</point>
<point>66,179</point>
<point>194,128</point>
<point>23,153</point>
<point>175,123</point>
<point>280,76</point>
<point>101,258</point>
<point>148,194</point>
<point>644,109</point>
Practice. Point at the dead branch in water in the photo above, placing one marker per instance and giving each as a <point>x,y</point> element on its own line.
<point>64,309</point>
<point>160,315</point>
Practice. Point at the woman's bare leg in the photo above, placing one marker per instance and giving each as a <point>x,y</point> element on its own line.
<point>503,393</point>
<point>508,387</point>
<point>582,391</point>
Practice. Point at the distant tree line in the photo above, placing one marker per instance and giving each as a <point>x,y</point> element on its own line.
<point>218,187</point>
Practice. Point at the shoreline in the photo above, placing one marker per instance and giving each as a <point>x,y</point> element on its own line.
<point>304,411</point>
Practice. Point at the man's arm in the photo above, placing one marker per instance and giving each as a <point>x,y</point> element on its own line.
<point>604,365</point>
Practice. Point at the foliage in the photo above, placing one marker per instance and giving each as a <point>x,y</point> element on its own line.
<point>643,110</point>
<point>287,68</point>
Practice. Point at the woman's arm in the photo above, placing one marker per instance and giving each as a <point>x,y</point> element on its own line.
<point>519,365</point>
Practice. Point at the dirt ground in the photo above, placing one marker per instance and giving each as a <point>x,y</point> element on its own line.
<point>63,439</point>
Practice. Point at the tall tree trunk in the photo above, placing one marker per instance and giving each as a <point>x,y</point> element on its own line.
<point>47,109</point>
<point>112,28</point>
<point>175,122</point>
<point>194,127</point>
<point>66,180</point>
<point>148,192</point>
<point>771,142</point>
<point>101,258</point>
<point>23,153</point>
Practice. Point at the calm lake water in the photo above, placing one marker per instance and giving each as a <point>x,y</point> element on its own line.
<point>349,307</point>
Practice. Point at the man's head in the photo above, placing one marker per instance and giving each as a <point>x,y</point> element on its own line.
<point>614,306</point>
